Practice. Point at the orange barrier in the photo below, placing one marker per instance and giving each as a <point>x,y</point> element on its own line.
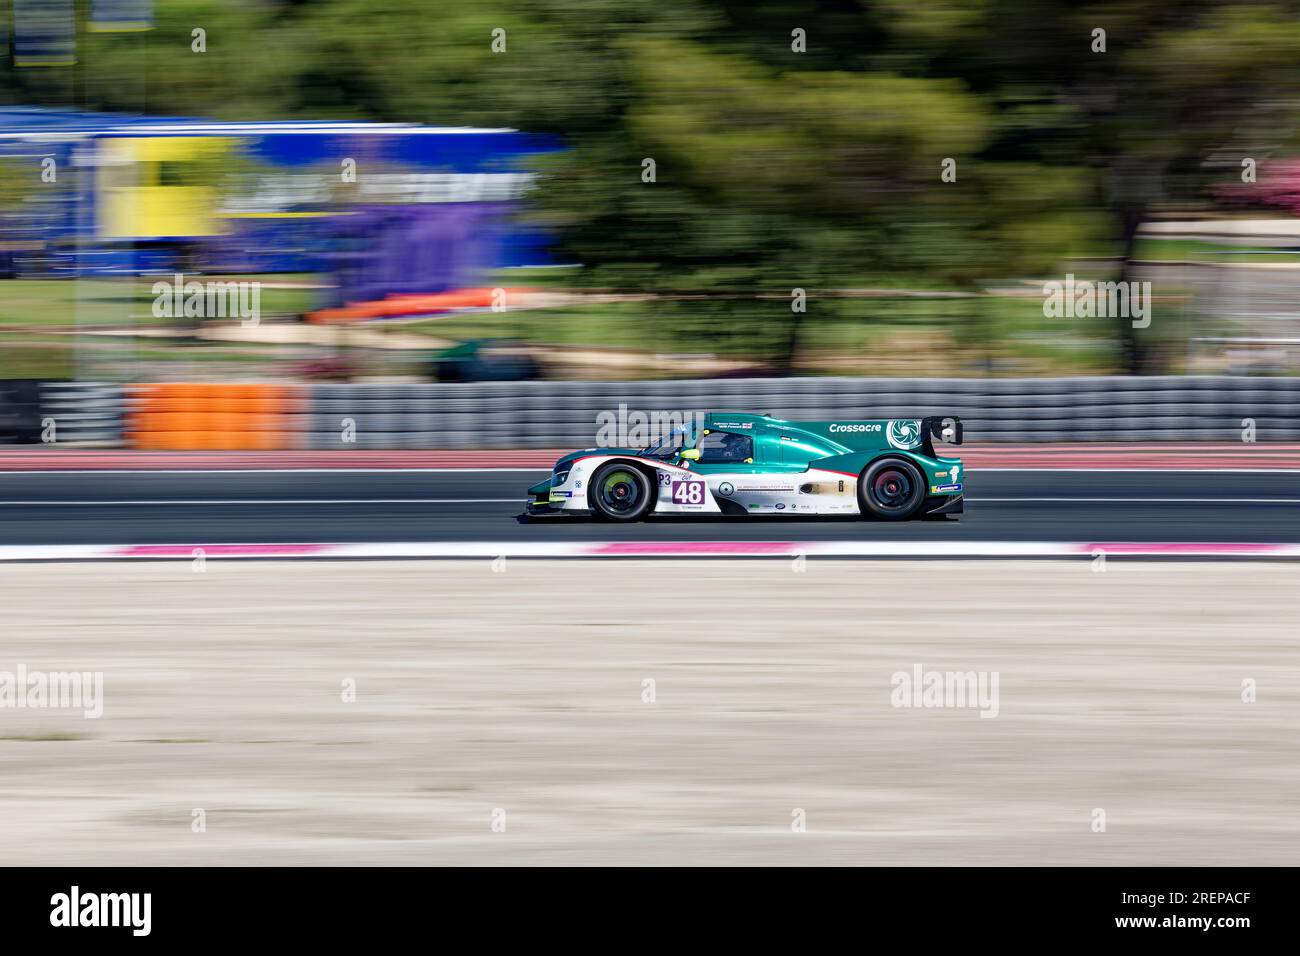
<point>186,416</point>
<point>397,305</point>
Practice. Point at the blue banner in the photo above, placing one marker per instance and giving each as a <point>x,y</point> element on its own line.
<point>121,16</point>
<point>44,33</point>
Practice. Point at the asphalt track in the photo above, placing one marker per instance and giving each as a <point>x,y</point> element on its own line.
<point>206,507</point>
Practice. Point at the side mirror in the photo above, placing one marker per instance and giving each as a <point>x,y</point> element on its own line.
<point>691,454</point>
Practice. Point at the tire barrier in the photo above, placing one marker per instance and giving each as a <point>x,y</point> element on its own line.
<point>377,416</point>
<point>86,414</point>
<point>218,417</point>
<point>555,414</point>
<point>560,414</point>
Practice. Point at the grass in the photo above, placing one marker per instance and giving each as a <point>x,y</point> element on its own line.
<point>880,335</point>
<point>23,355</point>
<point>1197,250</point>
<point>32,311</point>
<point>849,336</point>
<point>118,303</point>
<point>54,357</point>
<point>602,325</point>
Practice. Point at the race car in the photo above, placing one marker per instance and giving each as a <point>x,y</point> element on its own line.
<point>733,463</point>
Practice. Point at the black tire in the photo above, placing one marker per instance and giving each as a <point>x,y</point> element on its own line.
<point>892,489</point>
<point>619,492</point>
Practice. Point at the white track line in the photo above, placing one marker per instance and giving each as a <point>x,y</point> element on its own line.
<point>1178,470</point>
<point>520,499</point>
<point>654,549</point>
<point>200,502</point>
<point>1155,501</point>
<point>1027,469</point>
<point>271,471</point>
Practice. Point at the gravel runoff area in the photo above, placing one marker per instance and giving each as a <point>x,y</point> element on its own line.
<point>718,711</point>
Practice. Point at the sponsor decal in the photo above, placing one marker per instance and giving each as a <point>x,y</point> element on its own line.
<point>272,192</point>
<point>780,506</point>
<point>904,433</point>
<point>956,470</point>
<point>578,483</point>
<point>944,489</point>
<point>726,489</point>
<point>854,427</point>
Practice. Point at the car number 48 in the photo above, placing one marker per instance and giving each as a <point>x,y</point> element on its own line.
<point>688,492</point>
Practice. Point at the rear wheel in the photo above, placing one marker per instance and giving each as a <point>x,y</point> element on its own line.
<point>619,492</point>
<point>892,488</point>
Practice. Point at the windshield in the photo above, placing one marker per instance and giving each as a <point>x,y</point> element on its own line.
<point>683,436</point>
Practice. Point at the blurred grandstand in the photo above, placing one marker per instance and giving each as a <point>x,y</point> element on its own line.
<point>123,195</point>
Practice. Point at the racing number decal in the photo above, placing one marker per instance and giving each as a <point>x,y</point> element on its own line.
<point>688,492</point>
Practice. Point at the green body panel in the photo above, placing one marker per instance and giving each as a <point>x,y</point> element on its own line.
<point>842,445</point>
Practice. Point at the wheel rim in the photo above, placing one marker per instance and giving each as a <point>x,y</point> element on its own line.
<point>620,492</point>
<point>892,489</point>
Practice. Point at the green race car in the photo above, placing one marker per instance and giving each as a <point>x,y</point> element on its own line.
<point>733,463</point>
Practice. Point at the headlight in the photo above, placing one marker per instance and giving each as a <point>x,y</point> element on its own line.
<point>559,478</point>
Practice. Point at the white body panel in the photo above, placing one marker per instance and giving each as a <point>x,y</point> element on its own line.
<point>683,490</point>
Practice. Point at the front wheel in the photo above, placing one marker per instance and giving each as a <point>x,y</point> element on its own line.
<point>892,489</point>
<point>619,492</point>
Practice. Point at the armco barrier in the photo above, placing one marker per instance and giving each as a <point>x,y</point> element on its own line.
<point>558,414</point>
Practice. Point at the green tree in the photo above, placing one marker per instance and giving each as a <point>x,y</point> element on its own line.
<point>774,168</point>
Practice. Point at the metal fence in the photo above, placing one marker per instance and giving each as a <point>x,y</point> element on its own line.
<point>558,414</point>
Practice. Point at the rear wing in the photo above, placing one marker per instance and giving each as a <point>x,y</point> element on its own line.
<point>944,428</point>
